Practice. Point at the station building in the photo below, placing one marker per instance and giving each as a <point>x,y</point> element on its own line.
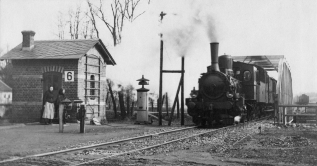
<point>79,66</point>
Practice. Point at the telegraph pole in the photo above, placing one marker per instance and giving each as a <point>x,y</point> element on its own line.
<point>161,73</point>
<point>182,93</point>
<point>161,80</point>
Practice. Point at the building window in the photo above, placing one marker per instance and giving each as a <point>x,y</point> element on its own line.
<point>92,85</point>
<point>8,96</point>
<point>4,96</point>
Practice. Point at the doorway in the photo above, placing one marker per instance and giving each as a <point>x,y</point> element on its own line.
<point>52,79</point>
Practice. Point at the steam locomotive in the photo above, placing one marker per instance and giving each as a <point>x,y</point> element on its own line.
<point>231,90</point>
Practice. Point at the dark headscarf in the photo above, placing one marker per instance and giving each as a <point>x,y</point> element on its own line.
<point>61,96</point>
<point>60,92</point>
<point>48,96</point>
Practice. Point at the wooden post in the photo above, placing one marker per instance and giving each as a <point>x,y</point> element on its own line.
<point>182,94</point>
<point>284,109</point>
<point>166,103</point>
<point>163,98</point>
<point>60,114</point>
<point>161,80</point>
<point>82,118</point>
<point>174,103</point>
<point>177,103</point>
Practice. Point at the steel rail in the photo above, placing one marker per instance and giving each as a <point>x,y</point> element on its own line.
<point>169,142</point>
<point>97,145</point>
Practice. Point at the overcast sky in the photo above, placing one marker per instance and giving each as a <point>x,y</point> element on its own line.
<point>242,27</point>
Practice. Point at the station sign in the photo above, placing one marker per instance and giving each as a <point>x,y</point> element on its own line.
<point>69,76</point>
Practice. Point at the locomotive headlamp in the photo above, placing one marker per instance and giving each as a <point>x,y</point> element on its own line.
<point>193,95</point>
<point>229,95</point>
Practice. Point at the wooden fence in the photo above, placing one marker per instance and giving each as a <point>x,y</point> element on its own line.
<point>284,117</point>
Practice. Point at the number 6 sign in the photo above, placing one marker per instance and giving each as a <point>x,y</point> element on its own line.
<point>69,76</point>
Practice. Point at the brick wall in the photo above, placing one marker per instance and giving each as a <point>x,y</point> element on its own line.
<point>27,87</point>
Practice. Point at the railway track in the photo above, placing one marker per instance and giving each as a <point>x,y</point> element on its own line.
<point>87,155</point>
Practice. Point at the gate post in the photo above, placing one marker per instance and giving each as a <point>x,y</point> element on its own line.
<point>284,115</point>
<point>82,113</point>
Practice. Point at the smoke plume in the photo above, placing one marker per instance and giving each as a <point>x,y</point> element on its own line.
<point>183,31</point>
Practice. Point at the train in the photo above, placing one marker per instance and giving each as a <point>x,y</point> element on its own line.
<point>231,90</point>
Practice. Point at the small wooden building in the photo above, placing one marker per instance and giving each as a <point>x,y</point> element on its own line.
<point>5,98</point>
<point>5,93</point>
<point>79,66</point>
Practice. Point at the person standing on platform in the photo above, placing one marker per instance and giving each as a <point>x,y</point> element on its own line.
<point>60,98</point>
<point>48,100</point>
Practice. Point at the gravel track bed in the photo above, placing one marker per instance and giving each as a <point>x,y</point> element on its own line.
<point>222,140</point>
<point>89,143</point>
<point>90,154</point>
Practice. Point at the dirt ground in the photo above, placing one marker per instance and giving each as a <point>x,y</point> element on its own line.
<point>279,145</point>
<point>22,140</point>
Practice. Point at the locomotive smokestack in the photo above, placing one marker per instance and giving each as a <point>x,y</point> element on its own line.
<point>214,56</point>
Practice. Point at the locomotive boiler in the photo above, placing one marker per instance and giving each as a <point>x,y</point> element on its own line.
<point>230,90</point>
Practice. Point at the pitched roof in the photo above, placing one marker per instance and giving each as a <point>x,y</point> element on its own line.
<point>4,87</point>
<point>60,49</point>
<point>268,62</point>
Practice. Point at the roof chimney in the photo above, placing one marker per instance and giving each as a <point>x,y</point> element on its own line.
<point>28,40</point>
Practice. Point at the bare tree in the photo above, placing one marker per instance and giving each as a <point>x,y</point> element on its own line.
<point>129,95</point>
<point>74,19</point>
<point>131,8</point>
<point>87,29</point>
<point>121,10</point>
<point>61,26</point>
<point>91,15</point>
<point>110,85</point>
<point>79,23</point>
<point>121,102</point>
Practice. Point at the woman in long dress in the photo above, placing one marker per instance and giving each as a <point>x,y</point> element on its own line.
<point>48,99</point>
